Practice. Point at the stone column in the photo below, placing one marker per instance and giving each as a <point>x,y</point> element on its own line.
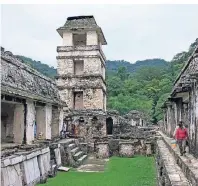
<point>43,121</point>
<point>169,119</point>
<point>48,121</point>
<point>57,121</point>
<point>18,128</point>
<point>30,121</point>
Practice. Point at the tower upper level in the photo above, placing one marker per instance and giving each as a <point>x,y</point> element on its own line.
<point>81,31</point>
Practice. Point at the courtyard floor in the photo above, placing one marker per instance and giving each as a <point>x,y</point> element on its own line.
<point>137,171</point>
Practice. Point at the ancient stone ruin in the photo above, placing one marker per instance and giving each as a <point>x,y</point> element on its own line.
<point>47,124</point>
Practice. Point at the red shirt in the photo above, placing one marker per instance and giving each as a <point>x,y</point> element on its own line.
<point>181,134</point>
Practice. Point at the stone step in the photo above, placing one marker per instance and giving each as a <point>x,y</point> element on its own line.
<point>75,150</point>
<point>78,155</point>
<point>81,159</point>
<point>72,146</point>
<point>66,142</point>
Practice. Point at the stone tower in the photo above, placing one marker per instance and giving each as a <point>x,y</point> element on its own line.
<point>81,64</point>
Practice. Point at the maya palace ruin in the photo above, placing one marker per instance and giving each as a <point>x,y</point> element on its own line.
<point>46,124</point>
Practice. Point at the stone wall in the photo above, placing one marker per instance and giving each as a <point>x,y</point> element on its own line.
<point>169,173</point>
<point>25,168</point>
<point>87,124</point>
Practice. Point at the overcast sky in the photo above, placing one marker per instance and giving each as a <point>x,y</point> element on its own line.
<point>133,32</point>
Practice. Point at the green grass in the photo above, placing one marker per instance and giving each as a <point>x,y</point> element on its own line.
<point>137,171</point>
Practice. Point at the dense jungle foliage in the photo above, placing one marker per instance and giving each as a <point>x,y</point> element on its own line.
<point>143,86</point>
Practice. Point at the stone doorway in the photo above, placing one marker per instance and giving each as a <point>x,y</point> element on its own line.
<point>12,122</point>
<point>109,125</point>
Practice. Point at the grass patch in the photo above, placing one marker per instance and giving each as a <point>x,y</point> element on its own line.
<point>138,171</point>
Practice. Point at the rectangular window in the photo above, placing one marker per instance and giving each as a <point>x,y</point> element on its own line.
<point>79,39</point>
<point>78,100</point>
<point>78,67</point>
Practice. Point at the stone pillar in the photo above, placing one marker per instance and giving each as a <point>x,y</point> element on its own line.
<point>57,121</point>
<point>43,121</point>
<point>30,121</point>
<point>48,121</point>
<point>18,128</point>
<point>169,119</point>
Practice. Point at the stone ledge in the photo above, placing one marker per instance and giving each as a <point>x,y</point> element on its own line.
<point>33,154</point>
<point>45,150</point>
<point>82,57</point>
<point>13,160</point>
<point>187,163</point>
<point>169,172</point>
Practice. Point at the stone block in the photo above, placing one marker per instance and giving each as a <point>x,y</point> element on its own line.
<point>31,172</point>
<point>114,146</point>
<point>46,150</point>
<point>126,150</point>
<point>102,150</point>
<point>5,162</point>
<point>16,160</point>
<point>44,165</point>
<point>33,154</point>
<point>148,149</point>
<point>11,176</point>
<point>84,147</point>
<point>57,156</point>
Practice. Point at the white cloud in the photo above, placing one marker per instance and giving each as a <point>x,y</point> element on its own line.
<point>133,32</point>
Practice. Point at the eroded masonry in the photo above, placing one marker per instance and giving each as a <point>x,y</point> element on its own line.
<point>47,124</point>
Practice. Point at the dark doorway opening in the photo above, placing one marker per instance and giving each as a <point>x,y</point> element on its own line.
<point>109,125</point>
<point>78,100</point>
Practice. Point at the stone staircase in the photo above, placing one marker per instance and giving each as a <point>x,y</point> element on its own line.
<point>75,155</point>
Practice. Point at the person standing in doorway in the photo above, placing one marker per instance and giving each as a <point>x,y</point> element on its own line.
<point>181,136</point>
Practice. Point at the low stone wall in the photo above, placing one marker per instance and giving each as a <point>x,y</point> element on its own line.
<point>169,173</point>
<point>120,147</point>
<point>102,150</point>
<point>187,163</point>
<point>126,149</point>
<point>26,168</point>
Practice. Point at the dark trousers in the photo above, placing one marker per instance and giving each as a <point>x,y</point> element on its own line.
<point>182,145</point>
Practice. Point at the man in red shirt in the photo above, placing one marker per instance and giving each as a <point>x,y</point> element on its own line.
<point>181,136</point>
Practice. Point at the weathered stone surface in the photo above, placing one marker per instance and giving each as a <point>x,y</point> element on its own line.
<point>169,173</point>
<point>58,156</point>
<point>114,147</point>
<point>126,150</point>
<point>11,175</point>
<point>18,78</point>
<point>187,163</point>
<point>44,165</point>
<point>102,150</point>
<point>31,171</point>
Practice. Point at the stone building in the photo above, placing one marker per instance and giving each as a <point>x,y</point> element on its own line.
<point>136,118</point>
<point>81,75</point>
<point>30,103</point>
<point>81,64</point>
<point>182,105</point>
